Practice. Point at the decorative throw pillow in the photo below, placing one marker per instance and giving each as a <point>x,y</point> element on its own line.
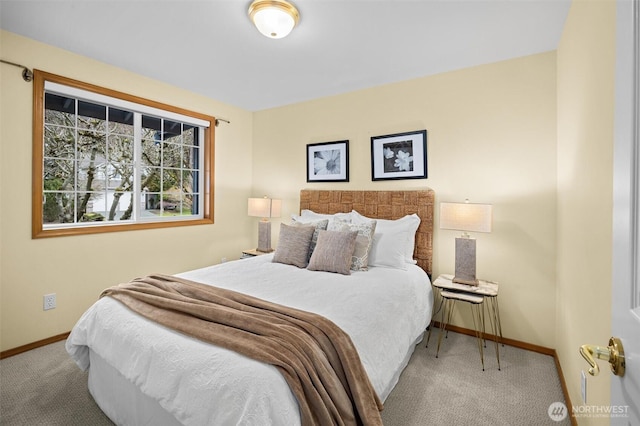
<point>293,245</point>
<point>320,225</point>
<point>333,252</point>
<point>364,240</point>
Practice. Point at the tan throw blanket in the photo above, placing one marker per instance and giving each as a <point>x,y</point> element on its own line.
<point>317,359</point>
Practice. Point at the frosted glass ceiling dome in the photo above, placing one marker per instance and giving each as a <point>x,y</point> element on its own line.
<point>274,18</point>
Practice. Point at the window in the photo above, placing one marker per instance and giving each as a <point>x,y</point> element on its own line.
<point>106,161</point>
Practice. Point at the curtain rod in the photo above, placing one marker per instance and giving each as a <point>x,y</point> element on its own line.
<point>27,74</point>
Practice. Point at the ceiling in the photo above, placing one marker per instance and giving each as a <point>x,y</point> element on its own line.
<point>210,47</point>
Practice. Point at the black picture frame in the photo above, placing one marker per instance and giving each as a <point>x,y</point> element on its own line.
<point>328,162</point>
<point>399,156</point>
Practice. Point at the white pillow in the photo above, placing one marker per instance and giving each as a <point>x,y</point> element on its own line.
<point>414,223</point>
<point>310,216</point>
<point>400,231</point>
<point>389,246</point>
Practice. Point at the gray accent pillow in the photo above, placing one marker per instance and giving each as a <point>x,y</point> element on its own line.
<point>293,245</point>
<point>364,240</point>
<point>333,252</point>
<point>320,226</point>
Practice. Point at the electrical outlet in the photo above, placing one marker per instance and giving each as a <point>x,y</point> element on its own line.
<point>49,301</point>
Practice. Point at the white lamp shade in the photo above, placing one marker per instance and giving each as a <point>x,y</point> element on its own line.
<point>264,207</point>
<point>273,18</point>
<point>466,217</point>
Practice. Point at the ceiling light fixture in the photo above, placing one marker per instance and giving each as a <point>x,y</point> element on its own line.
<point>274,18</point>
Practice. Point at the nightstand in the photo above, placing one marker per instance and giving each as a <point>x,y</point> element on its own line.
<point>252,253</point>
<point>475,296</point>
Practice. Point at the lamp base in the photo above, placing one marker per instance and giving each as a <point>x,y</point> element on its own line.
<point>465,262</point>
<point>466,282</point>
<point>264,237</point>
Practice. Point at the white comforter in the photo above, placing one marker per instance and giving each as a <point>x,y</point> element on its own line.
<point>385,311</point>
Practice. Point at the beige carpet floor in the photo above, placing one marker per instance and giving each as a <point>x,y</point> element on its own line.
<point>453,390</point>
<point>45,387</point>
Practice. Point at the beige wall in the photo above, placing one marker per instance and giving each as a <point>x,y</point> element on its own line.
<point>586,56</point>
<point>532,136</point>
<point>78,268</point>
<point>491,138</point>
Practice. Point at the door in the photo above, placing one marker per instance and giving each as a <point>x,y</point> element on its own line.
<point>625,391</point>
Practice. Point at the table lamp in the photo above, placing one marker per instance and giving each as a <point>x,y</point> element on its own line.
<point>466,217</point>
<point>264,208</point>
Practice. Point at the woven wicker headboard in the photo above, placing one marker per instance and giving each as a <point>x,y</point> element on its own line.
<point>381,205</point>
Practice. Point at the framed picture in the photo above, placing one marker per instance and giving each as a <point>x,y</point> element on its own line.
<point>328,162</point>
<point>399,156</point>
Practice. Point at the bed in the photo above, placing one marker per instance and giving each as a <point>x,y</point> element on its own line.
<point>141,372</point>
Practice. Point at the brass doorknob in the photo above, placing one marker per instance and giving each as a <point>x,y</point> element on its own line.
<point>614,353</point>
